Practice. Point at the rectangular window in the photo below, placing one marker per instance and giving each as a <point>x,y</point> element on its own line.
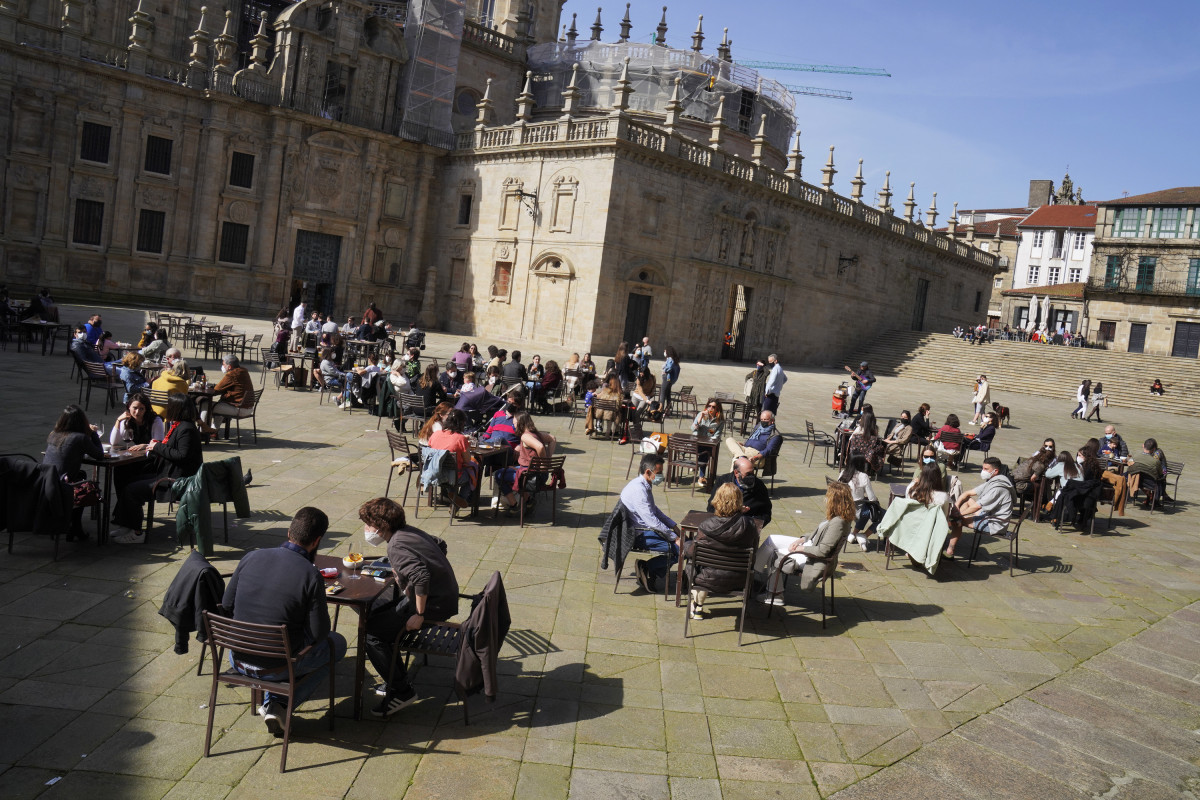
<point>464,208</point>
<point>388,266</point>
<point>241,170</point>
<point>89,222</point>
<point>1108,331</point>
<point>1075,275</point>
<point>978,300</point>
<point>501,279</point>
<point>1034,274</point>
<point>999,282</point>
<point>1112,272</point>
<point>1052,275</point>
<point>1038,236</point>
<point>94,141</point>
<point>1128,224</point>
<point>150,231</point>
<point>1167,224</point>
<point>158,155</point>
<point>1080,241</point>
<point>233,242</point>
<point>1145,274</point>
<point>1193,284</point>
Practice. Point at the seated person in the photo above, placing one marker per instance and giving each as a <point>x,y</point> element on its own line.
<point>983,440</point>
<point>534,373</point>
<point>531,444</point>
<point>1147,472</point>
<point>1026,474</point>
<point>81,349</point>
<point>865,441</point>
<point>106,347</point>
<point>921,429</point>
<point>72,439</point>
<point>729,532</point>
<point>278,586</point>
<point>644,389</point>
<point>756,502</point>
<point>397,378</point>
<point>550,381</point>
<point>984,506</point>
<point>137,426</point>
<point>433,424</point>
<point>236,389</point>
<point>412,365</point>
<point>462,359</point>
<point>147,334</point>
<point>451,439</point>
<point>596,419</point>
<point>425,589</point>
<point>515,370</point>
<point>127,369</point>
<point>950,427</point>
<point>501,428</point>
<point>172,379</point>
<point>808,555</point>
<point>156,349</point>
<point>927,486</point>
<point>764,441</point>
<point>451,379</point>
<point>1112,446</point>
<point>1157,388</point>
<point>898,439</point>
<point>177,455</point>
<point>917,524</point>
<point>856,477</point>
<point>333,377</point>
<point>655,531</point>
<point>708,424</point>
<point>1076,501</point>
<point>429,388</point>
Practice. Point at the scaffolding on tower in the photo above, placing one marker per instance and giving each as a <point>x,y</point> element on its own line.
<point>433,35</point>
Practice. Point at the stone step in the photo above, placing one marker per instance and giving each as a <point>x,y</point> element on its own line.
<point>1044,370</point>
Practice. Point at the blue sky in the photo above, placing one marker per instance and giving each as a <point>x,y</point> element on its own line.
<point>982,98</point>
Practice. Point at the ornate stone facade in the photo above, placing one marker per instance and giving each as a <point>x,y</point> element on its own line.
<point>157,164</point>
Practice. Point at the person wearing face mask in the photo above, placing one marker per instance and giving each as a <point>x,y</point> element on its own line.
<point>172,379</point>
<point>236,389</point>
<point>670,374</point>
<point>655,531</point>
<point>764,440</point>
<point>426,590</point>
<point>774,385</point>
<point>756,501</point>
<point>1076,501</point>
<point>756,386</point>
<point>81,349</point>
<point>451,379</point>
<point>808,555</point>
<point>983,506</point>
<point>1112,446</point>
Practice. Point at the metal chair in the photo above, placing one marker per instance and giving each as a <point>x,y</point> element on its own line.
<point>951,457</point>
<point>263,641</point>
<point>412,407</point>
<point>1011,531</point>
<point>1174,468</point>
<point>539,477</point>
<point>827,580</point>
<point>682,454</point>
<point>401,449</point>
<point>817,439</point>
<point>97,376</point>
<point>252,416</point>
<point>607,407</point>
<point>708,556</point>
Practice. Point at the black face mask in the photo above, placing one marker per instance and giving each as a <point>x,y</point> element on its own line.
<point>749,481</point>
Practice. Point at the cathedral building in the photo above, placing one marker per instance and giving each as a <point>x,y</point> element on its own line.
<point>459,164</point>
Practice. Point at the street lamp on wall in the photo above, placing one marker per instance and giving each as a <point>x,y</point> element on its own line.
<point>530,201</point>
<point>845,263</point>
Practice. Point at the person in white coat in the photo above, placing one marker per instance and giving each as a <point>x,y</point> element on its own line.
<point>982,398</point>
<point>775,381</point>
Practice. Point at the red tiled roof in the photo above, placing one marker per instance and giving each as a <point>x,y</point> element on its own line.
<point>1061,217</point>
<point>1179,196</point>
<point>1017,212</point>
<point>1068,290</point>
<point>986,230</point>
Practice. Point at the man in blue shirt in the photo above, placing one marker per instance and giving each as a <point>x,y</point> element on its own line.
<point>95,329</point>
<point>656,532</point>
<point>765,440</point>
<point>774,386</point>
<point>280,585</point>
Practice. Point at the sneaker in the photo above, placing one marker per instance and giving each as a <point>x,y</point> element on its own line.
<point>393,703</point>
<point>766,598</point>
<point>862,543</point>
<point>129,537</point>
<point>495,502</point>
<point>461,502</point>
<point>272,714</point>
<point>643,578</point>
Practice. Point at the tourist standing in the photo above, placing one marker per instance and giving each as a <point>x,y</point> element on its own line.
<point>774,385</point>
<point>982,398</point>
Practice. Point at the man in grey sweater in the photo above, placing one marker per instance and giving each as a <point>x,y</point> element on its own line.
<point>984,506</point>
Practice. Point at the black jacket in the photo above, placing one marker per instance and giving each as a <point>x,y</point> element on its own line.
<point>33,497</point>
<point>180,456</point>
<point>727,535</point>
<point>515,369</point>
<point>197,588</point>
<point>617,537</point>
<point>419,562</point>
<point>482,637</point>
<point>757,499</point>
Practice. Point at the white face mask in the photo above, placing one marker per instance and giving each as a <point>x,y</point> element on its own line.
<point>224,368</point>
<point>373,538</point>
<point>1079,460</point>
<point>984,474</point>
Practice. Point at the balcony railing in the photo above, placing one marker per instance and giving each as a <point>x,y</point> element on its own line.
<point>1177,288</point>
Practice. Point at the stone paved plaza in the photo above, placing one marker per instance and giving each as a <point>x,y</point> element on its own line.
<point>1075,678</point>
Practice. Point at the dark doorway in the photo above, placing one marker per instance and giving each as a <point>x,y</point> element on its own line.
<point>918,317</point>
<point>1062,317</point>
<point>315,269</point>
<point>1137,337</point>
<point>1187,340</point>
<point>735,323</point>
<point>637,318</point>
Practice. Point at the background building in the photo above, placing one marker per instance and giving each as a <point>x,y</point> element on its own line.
<point>1054,254</point>
<point>455,164</point>
<point>1144,293</point>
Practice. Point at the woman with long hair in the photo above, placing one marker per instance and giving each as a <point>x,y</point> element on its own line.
<point>1076,501</point>
<point>951,426</point>
<point>855,476</point>
<point>670,374</point>
<point>1081,398</point>
<point>452,439</point>
<point>1095,401</point>
<point>531,444</point>
<point>72,439</point>
<point>927,487</point>
<point>429,388</point>
<point>643,390</point>
<point>434,423</point>
<point>808,556</point>
<point>177,455</point>
<point>728,531</point>
<point>551,379</point>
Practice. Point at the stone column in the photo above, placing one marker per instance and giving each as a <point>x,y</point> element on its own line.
<point>427,316</point>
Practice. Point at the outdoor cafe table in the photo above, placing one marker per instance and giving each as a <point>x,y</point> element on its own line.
<point>107,463</point>
<point>358,593</point>
<point>47,332</point>
<point>710,443</point>
<point>738,410</point>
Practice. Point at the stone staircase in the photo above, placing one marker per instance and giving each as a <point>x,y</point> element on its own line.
<point>1044,370</point>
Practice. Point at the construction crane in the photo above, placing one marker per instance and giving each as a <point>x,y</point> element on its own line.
<point>868,71</point>
<point>816,91</point>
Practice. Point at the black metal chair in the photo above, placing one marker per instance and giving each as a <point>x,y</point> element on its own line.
<point>817,439</point>
<point>1010,530</point>
<point>707,556</point>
